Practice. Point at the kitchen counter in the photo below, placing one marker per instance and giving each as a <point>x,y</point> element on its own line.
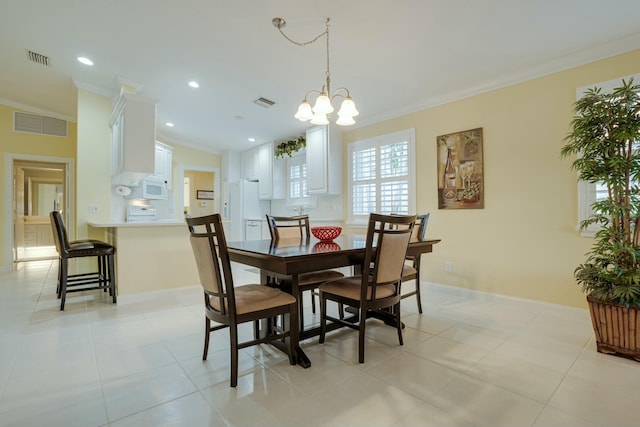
<point>156,223</point>
<point>151,256</point>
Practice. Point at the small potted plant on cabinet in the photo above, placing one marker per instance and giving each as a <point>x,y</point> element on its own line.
<point>605,138</point>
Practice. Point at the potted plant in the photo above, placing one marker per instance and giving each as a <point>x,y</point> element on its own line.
<point>290,147</point>
<point>604,137</point>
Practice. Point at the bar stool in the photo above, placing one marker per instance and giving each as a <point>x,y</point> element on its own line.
<point>103,278</point>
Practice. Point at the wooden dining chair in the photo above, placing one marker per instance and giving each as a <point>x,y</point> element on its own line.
<point>229,306</point>
<point>102,278</point>
<point>297,227</point>
<point>377,288</point>
<point>412,270</point>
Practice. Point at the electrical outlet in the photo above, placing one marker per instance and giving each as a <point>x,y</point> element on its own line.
<point>93,208</point>
<point>447,266</point>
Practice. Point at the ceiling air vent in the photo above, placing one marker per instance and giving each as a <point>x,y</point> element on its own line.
<point>264,102</point>
<point>38,58</point>
<point>32,123</point>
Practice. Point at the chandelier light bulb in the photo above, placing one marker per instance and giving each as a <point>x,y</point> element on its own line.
<point>348,108</point>
<point>320,119</point>
<point>304,111</point>
<point>323,105</point>
<point>345,120</point>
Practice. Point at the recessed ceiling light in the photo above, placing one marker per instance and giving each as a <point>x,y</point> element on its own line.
<point>194,84</point>
<point>85,61</point>
<point>170,124</point>
<point>252,140</point>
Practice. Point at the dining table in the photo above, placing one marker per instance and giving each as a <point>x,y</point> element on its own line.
<point>285,260</point>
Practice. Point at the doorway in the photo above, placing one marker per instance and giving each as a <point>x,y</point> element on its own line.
<point>38,187</point>
<point>200,190</point>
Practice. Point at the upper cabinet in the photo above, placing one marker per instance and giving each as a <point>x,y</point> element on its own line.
<point>133,125</point>
<point>163,163</point>
<point>324,160</point>
<point>259,164</point>
<point>249,164</point>
<point>270,174</point>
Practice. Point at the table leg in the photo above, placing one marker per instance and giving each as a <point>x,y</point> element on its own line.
<point>301,356</point>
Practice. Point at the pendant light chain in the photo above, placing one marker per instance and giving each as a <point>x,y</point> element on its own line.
<point>328,73</point>
<point>280,25</point>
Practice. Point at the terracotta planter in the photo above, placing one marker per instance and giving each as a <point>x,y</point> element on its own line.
<point>617,328</point>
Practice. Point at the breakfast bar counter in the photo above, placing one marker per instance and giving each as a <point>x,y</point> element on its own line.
<point>151,256</point>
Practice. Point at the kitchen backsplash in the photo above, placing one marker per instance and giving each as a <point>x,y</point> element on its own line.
<point>328,208</point>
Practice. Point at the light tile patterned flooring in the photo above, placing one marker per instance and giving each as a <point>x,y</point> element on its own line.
<point>471,359</point>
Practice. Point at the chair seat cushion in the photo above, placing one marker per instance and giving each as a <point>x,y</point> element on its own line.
<point>88,248</point>
<point>84,248</point>
<point>408,272</point>
<point>349,287</point>
<point>251,298</point>
<point>318,277</point>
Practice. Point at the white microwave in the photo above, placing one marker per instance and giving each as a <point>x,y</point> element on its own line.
<point>154,189</point>
<point>149,188</point>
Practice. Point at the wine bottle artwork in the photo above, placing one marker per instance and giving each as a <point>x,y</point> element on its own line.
<point>450,185</point>
<point>460,170</point>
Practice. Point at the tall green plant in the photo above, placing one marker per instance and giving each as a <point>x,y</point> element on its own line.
<point>603,137</point>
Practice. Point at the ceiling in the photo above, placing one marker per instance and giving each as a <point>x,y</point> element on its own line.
<point>395,57</point>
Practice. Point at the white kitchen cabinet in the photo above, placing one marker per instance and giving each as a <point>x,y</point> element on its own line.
<point>163,168</point>
<point>324,160</point>
<point>249,164</point>
<point>266,234</point>
<point>271,174</point>
<point>252,229</point>
<point>133,125</point>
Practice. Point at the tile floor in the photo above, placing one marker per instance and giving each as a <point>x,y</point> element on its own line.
<point>471,359</point>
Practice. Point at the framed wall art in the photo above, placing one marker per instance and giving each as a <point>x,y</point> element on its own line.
<point>460,170</point>
<point>204,194</point>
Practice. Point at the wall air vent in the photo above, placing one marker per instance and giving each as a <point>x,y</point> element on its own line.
<point>32,123</point>
<point>38,58</point>
<point>264,102</point>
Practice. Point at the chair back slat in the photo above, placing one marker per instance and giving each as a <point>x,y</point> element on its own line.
<point>289,227</point>
<point>420,228</point>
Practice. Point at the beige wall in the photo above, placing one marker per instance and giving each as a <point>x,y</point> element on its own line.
<point>25,144</point>
<point>524,242</point>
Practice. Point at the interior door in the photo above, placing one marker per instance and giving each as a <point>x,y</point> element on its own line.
<point>38,188</point>
<point>18,214</point>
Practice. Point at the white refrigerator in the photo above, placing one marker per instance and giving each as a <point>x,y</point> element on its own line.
<point>240,201</point>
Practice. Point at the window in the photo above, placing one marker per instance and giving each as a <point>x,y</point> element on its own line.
<point>297,195</point>
<point>381,176</point>
<point>297,177</point>
<point>588,193</point>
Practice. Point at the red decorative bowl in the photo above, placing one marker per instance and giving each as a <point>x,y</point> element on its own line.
<point>326,233</point>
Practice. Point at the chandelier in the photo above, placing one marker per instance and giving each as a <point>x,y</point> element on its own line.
<point>322,108</point>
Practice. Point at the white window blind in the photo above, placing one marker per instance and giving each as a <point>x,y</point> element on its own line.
<point>297,188</point>
<point>297,178</point>
<point>381,176</point>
